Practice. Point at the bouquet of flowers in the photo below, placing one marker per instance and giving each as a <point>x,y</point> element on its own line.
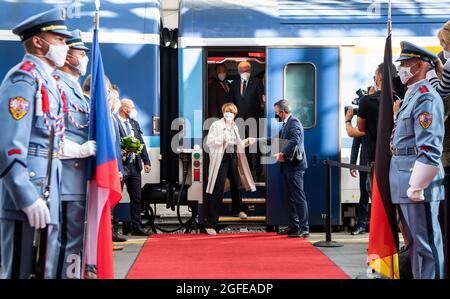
<point>130,144</point>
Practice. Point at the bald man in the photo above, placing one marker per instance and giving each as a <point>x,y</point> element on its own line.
<point>247,93</point>
<point>128,126</point>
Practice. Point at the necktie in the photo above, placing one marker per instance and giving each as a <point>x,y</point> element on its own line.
<point>127,128</point>
<point>244,86</point>
<point>225,87</point>
<point>282,129</point>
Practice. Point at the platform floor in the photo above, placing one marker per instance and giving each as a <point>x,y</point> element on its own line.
<point>351,258</point>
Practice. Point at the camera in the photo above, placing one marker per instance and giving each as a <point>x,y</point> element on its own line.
<point>360,93</point>
<point>355,110</point>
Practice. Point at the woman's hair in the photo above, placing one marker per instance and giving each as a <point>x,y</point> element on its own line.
<point>444,33</point>
<point>229,107</point>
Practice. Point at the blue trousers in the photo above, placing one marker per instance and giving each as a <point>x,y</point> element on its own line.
<point>297,205</point>
<point>363,205</point>
<point>17,249</point>
<point>70,239</point>
<point>422,229</point>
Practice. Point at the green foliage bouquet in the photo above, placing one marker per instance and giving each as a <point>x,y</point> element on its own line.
<point>130,144</point>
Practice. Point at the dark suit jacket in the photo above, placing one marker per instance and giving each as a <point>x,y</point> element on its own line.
<point>116,125</point>
<point>294,133</point>
<point>249,105</point>
<point>143,157</point>
<point>217,96</point>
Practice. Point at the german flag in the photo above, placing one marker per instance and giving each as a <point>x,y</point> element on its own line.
<point>383,238</point>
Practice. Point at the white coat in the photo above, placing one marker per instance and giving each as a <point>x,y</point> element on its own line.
<point>217,146</point>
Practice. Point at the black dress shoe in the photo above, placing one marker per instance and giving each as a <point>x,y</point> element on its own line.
<point>295,234</point>
<point>140,232</point>
<point>287,231</point>
<point>117,238</point>
<point>304,234</point>
<point>358,231</point>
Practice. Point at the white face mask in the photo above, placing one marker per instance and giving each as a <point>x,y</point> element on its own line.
<point>221,76</point>
<point>82,65</point>
<point>133,114</point>
<point>57,54</point>
<point>228,116</point>
<point>245,76</point>
<point>405,73</point>
<point>446,54</point>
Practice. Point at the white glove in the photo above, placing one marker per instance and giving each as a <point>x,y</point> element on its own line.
<point>71,150</point>
<point>38,214</point>
<point>88,149</point>
<point>421,177</point>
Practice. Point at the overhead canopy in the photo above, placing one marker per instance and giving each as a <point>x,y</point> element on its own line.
<point>309,18</point>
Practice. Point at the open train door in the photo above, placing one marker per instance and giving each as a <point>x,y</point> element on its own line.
<point>308,79</point>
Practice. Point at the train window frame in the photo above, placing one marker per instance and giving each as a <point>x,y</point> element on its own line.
<point>314,88</point>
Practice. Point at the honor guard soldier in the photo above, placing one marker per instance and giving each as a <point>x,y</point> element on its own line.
<point>416,173</point>
<point>30,104</point>
<point>74,158</point>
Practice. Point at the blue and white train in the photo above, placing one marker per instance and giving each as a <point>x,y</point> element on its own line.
<point>314,53</point>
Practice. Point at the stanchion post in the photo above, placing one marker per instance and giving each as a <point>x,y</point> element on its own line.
<point>328,202</point>
<point>328,242</point>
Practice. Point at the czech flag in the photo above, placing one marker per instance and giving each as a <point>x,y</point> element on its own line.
<point>104,181</point>
<point>383,238</point>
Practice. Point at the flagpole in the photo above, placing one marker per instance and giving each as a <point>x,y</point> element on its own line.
<point>389,29</point>
<point>84,257</point>
<point>389,17</point>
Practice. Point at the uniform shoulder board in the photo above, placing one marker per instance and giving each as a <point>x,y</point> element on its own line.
<point>25,73</point>
<point>20,75</point>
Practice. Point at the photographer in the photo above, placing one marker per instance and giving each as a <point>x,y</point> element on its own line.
<point>367,123</point>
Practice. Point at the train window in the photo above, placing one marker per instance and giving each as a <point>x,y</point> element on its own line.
<point>300,90</point>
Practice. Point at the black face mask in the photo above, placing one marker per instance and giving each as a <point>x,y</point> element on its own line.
<point>278,118</point>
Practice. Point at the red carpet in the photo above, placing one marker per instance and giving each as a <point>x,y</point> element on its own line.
<point>227,256</point>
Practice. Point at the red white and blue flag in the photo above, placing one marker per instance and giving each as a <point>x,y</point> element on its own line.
<point>104,181</point>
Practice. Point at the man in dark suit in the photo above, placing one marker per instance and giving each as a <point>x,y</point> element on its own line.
<point>293,171</point>
<point>247,93</point>
<point>218,92</point>
<point>132,165</point>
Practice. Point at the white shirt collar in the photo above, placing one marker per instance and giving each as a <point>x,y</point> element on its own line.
<point>122,120</point>
<point>287,118</point>
<point>72,78</point>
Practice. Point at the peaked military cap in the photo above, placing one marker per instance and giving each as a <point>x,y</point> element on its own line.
<point>49,21</point>
<point>75,42</point>
<point>410,51</point>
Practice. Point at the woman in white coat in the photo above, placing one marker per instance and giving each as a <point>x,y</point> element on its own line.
<point>226,160</point>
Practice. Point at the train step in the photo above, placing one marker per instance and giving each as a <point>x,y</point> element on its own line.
<point>246,200</point>
<point>239,220</point>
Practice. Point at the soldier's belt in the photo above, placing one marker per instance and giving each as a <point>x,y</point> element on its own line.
<point>407,151</point>
<point>34,150</point>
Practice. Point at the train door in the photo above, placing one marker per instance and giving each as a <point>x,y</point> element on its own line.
<point>308,79</point>
<point>230,57</point>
